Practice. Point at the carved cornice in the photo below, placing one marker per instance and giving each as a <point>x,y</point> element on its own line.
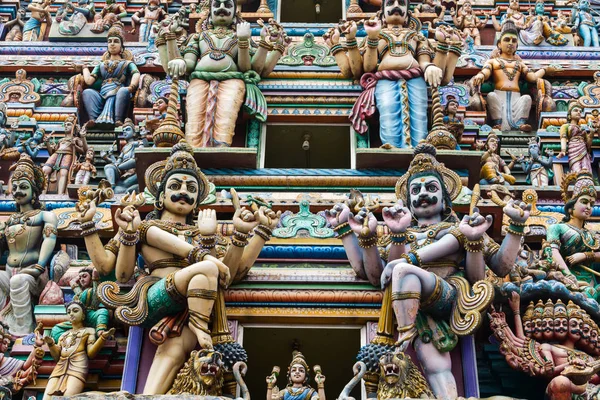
<point>354,297</point>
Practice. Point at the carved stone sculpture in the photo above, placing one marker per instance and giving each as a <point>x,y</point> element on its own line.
<point>576,139</point>
<point>298,382</point>
<point>148,19</point>
<point>39,15</point>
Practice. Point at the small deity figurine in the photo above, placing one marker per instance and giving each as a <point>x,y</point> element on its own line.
<point>30,236</point>
<point>118,77</point>
<point>397,64</point>
<point>64,153</point>
<point>298,378</point>
<point>452,122</point>
<point>537,167</point>
<point>576,249</point>
<point>120,170</point>
<point>493,167</point>
<point>430,7</point>
<point>222,72</point>
<point>468,22</point>
<point>576,139</point>
<point>39,15</point>
<point>182,272</point>
<point>561,23</point>
<point>76,18</point>
<point>86,170</point>
<point>148,19</point>
<point>16,373</point>
<point>507,109</point>
<point>160,112</point>
<point>72,354</point>
<point>110,15</point>
<point>428,242</point>
<point>584,23</point>
<point>15,27</point>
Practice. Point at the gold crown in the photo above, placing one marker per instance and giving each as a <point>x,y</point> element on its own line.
<point>298,358</point>
<point>548,310</point>
<point>26,169</point>
<point>574,311</point>
<point>424,160</point>
<point>583,184</point>
<point>182,161</point>
<point>129,122</point>
<point>115,31</point>
<point>528,315</point>
<point>538,311</point>
<point>560,310</point>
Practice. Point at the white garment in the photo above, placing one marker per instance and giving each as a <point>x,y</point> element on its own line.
<point>20,288</point>
<point>510,108</point>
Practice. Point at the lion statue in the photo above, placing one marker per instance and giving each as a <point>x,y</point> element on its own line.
<point>400,378</point>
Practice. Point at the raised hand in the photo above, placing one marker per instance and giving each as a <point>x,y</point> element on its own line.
<point>245,220</point>
<point>89,210</point>
<point>514,301</point>
<point>39,335</point>
<point>242,31</point>
<point>373,28</point>
<point>108,334</point>
<point>358,226</point>
<point>475,225</point>
<point>517,211</point>
<point>338,215</point>
<point>397,218</point>
<point>128,219</point>
<point>207,222</point>
<point>268,217</point>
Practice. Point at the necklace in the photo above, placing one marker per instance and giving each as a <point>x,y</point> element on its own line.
<point>294,391</point>
<point>432,233</point>
<point>586,237</point>
<point>510,75</point>
<point>217,53</point>
<point>20,218</point>
<point>70,337</point>
<point>220,32</point>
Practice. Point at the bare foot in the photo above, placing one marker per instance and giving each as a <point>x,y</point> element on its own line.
<point>525,128</point>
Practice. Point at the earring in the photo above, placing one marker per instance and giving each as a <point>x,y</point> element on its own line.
<point>160,204</point>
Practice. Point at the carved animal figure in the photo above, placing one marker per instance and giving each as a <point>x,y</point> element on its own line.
<point>400,378</point>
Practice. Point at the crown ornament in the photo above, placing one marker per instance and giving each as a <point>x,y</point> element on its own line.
<point>25,168</point>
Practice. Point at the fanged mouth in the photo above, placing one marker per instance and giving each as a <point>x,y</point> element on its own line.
<point>391,370</point>
<point>209,369</point>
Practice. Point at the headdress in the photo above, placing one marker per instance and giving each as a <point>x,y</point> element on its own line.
<point>508,28</point>
<point>538,311</point>
<point>298,358</point>
<point>424,160</point>
<point>583,184</point>
<point>180,161</point>
<point>574,311</point>
<point>533,140</point>
<point>573,104</point>
<point>79,303</point>
<point>548,310</point>
<point>560,310</point>
<point>128,122</point>
<point>116,32</point>
<point>26,169</point>
<point>528,315</point>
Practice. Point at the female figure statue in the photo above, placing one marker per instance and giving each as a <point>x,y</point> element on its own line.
<point>118,78</point>
<point>74,350</point>
<point>570,241</point>
<point>576,140</point>
<point>298,377</point>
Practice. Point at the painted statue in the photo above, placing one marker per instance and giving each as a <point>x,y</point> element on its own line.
<point>148,18</point>
<point>30,236</point>
<point>12,146</point>
<point>394,69</point>
<point>39,14</point>
<point>494,169</point>
<point>160,112</point>
<point>222,72</point>
<point>468,22</point>
<point>72,354</point>
<point>182,273</point>
<point>15,26</point>
<point>532,29</point>
<point>298,378</point>
<point>111,84</point>
<point>76,18</point>
<point>64,153</point>
<point>453,123</point>
<point>576,139</point>
<point>120,170</point>
<point>576,249</point>
<point>16,373</point>
<point>430,7</point>
<point>110,15</point>
<point>507,108</point>
<point>427,243</point>
<point>537,167</point>
<point>585,24</point>
<point>86,170</point>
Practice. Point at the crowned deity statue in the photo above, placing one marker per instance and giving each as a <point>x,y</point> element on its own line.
<point>29,235</point>
<point>85,170</point>
<point>537,167</point>
<point>111,84</point>
<point>16,373</point>
<point>39,14</point>
<point>72,353</point>
<point>177,288</point>
<point>584,23</point>
<point>148,18</point>
<point>77,15</point>
<point>120,170</point>
<point>575,248</point>
<point>430,250</point>
<point>64,153</point>
<point>494,169</point>
<point>576,139</point>
<point>394,67</point>
<point>15,26</point>
<point>298,387</point>
<point>507,108</point>
<point>222,72</point>
<point>109,16</point>
<point>468,22</point>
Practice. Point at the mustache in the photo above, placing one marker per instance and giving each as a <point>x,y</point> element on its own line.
<point>397,10</point>
<point>182,196</point>
<point>424,198</point>
<point>222,12</point>
<point>19,194</point>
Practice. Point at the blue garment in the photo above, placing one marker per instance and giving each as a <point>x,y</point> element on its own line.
<point>34,25</point>
<point>305,394</point>
<point>394,120</point>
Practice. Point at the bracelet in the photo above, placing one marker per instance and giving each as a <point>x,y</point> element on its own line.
<point>368,242</point>
<point>263,43</point>
<point>517,223</point>
<point>336,48</point>
<point>474,246</point>
<point>428,65</point>
<point>398,238</point>
<point>280,48</point>
<point>87,225</point>
<point>196,255</point>
<point>351,44</point>
<point>441,47</point>
<point>264,232</point>
<point>590,256</point>
<point>415,258</point>
<point>516,312</point>
<point>38,267</point>
<point>239,239</point>
<point>243,44</point>
<point>320,386</point>
<point>518,231</point>
<point>373,43</point>
<point>208,242</point>
<point>129,239</point>
<point>342,230</point>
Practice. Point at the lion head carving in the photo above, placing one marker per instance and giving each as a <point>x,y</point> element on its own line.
<point>201,375</point>
<point>399,377</point>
